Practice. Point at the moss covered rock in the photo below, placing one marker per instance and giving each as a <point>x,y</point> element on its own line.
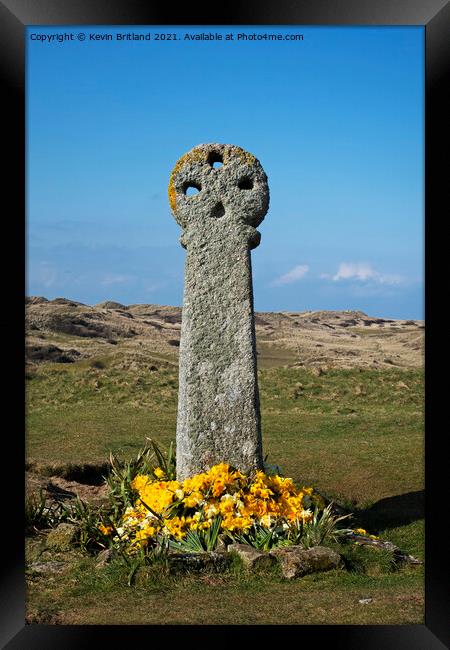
<point>63,537</point>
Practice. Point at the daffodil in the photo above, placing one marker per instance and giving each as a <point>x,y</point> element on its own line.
<point>106,530</point>
<point>240,500</point>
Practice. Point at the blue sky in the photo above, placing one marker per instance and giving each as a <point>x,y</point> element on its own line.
<point>336,120</point>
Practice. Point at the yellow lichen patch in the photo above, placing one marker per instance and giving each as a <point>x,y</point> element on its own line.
<point>197,154</point>
<point>172,196</point>
<point>246,156</point>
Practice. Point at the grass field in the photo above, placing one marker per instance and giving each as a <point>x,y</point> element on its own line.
<point>356,435</point>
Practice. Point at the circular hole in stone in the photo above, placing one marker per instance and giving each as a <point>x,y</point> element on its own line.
<point>215,159</point>
<point>218,210</point>
<point>245,183</point>
<point>191,188</point>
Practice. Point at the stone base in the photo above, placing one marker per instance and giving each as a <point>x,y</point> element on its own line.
<point>251,557</point>
<point>212,562</point>
<point>294,561</point>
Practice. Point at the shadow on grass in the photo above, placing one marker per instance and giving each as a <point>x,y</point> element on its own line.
<point>393,512</point>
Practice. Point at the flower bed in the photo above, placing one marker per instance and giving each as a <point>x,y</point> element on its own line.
<point>222,504</point>
<point>150,516</point>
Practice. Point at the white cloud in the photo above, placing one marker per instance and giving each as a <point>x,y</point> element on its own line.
<point>363,272</point>
<point>115,278</point>
<point>295,274</point>
<point>359,271</point>
<point>390,279</point>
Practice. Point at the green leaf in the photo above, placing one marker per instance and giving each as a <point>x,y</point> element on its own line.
<point>132,573</point>
<point>191,543</point>
<point>212,533</point>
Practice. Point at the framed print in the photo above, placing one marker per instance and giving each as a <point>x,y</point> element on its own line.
<point>222,224</point>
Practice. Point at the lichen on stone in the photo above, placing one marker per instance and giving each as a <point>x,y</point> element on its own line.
<point>195,155</point>
<point>218,410</point>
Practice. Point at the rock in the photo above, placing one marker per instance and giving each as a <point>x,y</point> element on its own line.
<point>103,558</point>
<point>399,555</point>
<point>62,537</point>
<point>317,371</point>
<point>251,557</point>
<point>47,567</point>
<point>213,562</point>
<point>218,412</point>
<point>296,562</point>
<point>365,601</point>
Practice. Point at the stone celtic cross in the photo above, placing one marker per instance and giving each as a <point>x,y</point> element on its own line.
<point>218,194</point>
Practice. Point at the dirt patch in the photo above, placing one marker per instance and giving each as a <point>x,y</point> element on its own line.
<point>40,353</point>
<point>65,482</point>
<point>55,488</point>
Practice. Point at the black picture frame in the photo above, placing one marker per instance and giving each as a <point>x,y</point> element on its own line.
<point>15,16</point>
